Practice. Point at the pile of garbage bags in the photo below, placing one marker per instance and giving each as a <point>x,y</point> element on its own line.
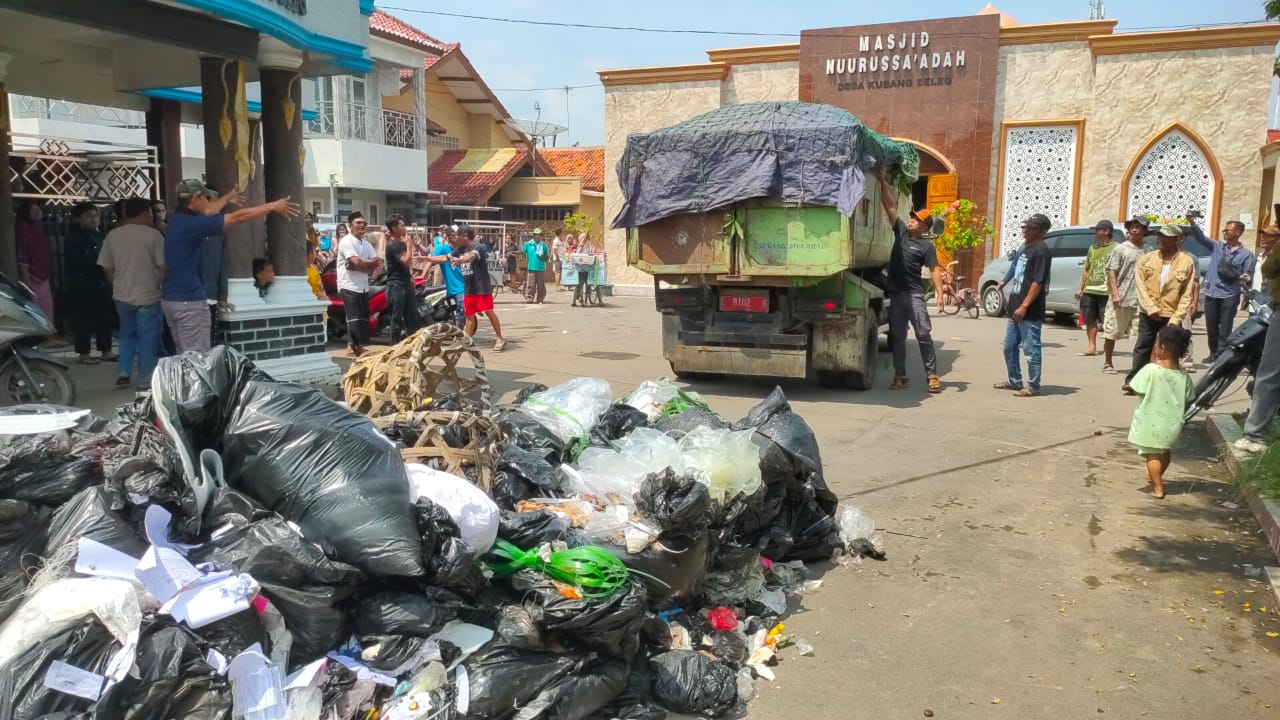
<point>236,547</point>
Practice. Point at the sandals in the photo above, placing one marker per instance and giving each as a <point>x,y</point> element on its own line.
<point>1109,369</point>
<point>1006,386</point>
<point>935,385</point>
<point>498,346</point>
<point>89,360</point>
<point>1026,392</point>
<point>899,383</point>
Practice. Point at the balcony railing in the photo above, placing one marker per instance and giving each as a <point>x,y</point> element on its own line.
<point>27,107</point>
<point>365,123</point>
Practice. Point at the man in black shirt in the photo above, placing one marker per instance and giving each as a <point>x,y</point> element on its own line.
<point>912,252</point>
<point>1027,291</point>
<point>401,300</point>
<point>471,258</point>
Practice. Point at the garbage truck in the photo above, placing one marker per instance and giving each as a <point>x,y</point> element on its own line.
<point>762,226</point>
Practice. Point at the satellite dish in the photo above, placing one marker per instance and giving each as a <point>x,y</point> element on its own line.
<point>537,129</point>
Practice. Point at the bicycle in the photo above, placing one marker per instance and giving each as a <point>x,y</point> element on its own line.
<point>954,298</point>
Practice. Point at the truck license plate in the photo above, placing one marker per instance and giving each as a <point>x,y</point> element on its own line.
<point>749,304</point>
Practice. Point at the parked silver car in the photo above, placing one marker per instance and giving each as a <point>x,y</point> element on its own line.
<point>1068,246</point>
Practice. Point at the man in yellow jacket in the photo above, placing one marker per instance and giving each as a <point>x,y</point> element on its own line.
<point>1165,278</point>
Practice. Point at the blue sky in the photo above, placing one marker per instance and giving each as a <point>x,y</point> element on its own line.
<point>515,57</point>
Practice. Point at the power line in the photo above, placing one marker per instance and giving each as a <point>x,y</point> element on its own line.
<point>740,33</point>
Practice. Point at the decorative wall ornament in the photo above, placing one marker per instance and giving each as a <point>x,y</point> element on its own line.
<point>1039,177</point>
<point>290,107</point>
<point>224,123</point>
<point>1172,177</point>
<point>244,169</point>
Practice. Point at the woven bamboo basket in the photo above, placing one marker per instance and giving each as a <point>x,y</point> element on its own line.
<point>460,443</point>
<point>430,364</point>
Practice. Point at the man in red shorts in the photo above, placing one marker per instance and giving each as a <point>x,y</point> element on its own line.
<point>471,259</point>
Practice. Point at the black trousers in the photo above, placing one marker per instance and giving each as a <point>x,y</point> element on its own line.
<point>95,314</point>
<point>1147,331</point>
<point>1219,317</point>
<point>403,306</point>
<point>356,305</point>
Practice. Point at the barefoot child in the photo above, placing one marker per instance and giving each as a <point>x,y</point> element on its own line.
<point>1164,390</point>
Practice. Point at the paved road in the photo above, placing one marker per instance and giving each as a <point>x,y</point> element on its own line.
<point>1033,577</point>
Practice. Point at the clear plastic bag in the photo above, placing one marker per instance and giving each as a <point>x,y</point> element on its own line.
<point>854,524</point>
<point>616,474</point>
<point>571,409</point>
<point>728,461</point>
<point>654,397</point>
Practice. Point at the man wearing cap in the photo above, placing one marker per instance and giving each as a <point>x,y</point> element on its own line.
<point>1093,293</point>
<point>1122,285</point>
<point>357,260</point>
<point>912,251</point>
<point>1027,294</point>
<point>536,253</point>
<point>197,218</point>
<point>1165,281</point>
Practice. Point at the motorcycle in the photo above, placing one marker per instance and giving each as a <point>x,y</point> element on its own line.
<point>434,305</point>
<point>27,373</point>
<point>1243,351</point>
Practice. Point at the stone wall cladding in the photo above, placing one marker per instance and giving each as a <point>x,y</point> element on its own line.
<point>634,109</point>
<point>274,338</point>
<point>760,82</point>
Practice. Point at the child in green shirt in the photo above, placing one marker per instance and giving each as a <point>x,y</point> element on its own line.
<point>1164,390</point>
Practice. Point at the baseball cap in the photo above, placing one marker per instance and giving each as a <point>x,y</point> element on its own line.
<point>1104,225</point>
<point>922,215</point>
<point>1171,230</point>
<point>1039,220</point>
<point>1138,220</point>
<point>190,188</point>
<point>537,231</point>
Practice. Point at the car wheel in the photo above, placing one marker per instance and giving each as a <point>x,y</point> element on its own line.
<point>993,301</point>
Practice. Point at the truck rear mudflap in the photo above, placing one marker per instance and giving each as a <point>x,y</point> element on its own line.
<point>760,362</point>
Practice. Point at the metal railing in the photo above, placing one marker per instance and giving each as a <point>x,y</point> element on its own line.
<point>365,123</point>
<point>64,171</point>
<point>28,107</point>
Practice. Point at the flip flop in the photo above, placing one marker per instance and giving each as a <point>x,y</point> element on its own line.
<point>1088,354</point>
<point>1026,392</point>
<point>1109,369</point>
<point>1006,386</point>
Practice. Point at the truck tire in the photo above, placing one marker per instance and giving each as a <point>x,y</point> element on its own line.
<point>831,378</point>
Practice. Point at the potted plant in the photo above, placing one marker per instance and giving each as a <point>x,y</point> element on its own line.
<point>963,229</point>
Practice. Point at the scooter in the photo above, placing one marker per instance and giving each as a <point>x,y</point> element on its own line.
<point>1243,351</point>
<point>27,373</point>
<point>434,305</point>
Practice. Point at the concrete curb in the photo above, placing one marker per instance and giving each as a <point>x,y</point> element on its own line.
<point>1225,430</point>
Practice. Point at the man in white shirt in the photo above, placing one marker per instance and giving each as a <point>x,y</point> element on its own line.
<point>357,260</point>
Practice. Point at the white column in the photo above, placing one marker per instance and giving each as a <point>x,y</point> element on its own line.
<point>420,106</point>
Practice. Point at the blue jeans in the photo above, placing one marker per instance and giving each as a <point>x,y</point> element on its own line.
<point>139,339</point>
<point>459,312</point>
<point>1219,317</point>
<point>1025,336</point>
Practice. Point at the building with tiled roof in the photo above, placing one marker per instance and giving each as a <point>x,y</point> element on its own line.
<point>393,28</point>
<point>584,162</point>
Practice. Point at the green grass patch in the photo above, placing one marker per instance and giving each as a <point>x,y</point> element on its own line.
<point>1263,471</point>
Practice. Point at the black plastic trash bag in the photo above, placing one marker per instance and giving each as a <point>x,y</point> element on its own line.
<point>451,563</point>
<point>677,565</point>
<point>523,475</point>
<point>40,468</point>
<point>23,535</point>
<point>676,504</point>
<point>681,424</point>
<point>88,646</point>
<point>635,702</point>
<point>802,531</point>
<point>173,681</point>
<point>518,629</point>
<point>528,434</point>
<point>616,423</point>
<point>401,613</point>
<point>578,695</point>
<point>298,453</point>
<point>527,391</point>
<point>685,681</point>
<point>90,515</point>
<point>503,678</point>
<point>789,448</point>
<point>531,529</point>
<point>726,646</point>
<point>609,626</point>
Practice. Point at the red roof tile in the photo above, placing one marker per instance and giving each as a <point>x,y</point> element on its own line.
<point>1273,135</point>
<point>426,64</point>
<point>470,188</point>
<point>582,162</point>
<point>391,27</point>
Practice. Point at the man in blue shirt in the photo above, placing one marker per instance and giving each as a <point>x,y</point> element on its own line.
<point>1230,270</point>
<point>196,219</point>
<point>453,283</point>
<point>536,253</point>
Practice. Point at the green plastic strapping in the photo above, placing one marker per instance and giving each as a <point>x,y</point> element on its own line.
<point>594,571</point>
<point>583,439</point>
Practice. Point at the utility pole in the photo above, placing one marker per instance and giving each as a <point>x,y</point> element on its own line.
<point>1097,10</point>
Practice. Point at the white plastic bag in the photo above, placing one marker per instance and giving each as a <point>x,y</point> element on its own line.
<point>570,409</point>
<point>61,605</point>
<point>854,524</point>
<point>727,461</point>
<point>475,512</point>
<point>651,395</point>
